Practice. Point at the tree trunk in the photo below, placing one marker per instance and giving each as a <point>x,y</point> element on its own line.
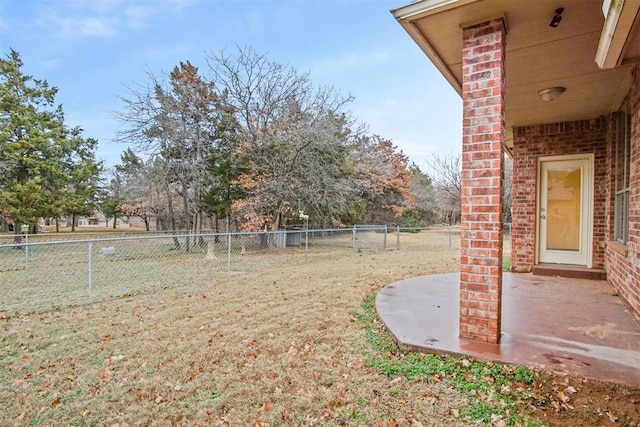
<point>57,225</point>
<point>17,237</point>
<point>185,206</point>
<point>172,219</point>
<point>114,221</point>
<point>73,222</point>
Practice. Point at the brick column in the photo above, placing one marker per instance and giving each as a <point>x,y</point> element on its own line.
<point>483,55</point>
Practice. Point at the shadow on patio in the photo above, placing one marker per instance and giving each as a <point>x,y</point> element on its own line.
<point>561,325</point>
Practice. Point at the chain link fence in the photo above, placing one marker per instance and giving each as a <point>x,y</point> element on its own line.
<point>54,270</point>
<point>46,271</point>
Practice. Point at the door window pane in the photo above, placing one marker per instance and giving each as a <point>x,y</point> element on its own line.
<point>563,209</point>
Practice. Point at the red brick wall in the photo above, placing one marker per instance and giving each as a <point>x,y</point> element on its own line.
<point>482,169</point>
<point>623,261</point>
<point>533,142</point>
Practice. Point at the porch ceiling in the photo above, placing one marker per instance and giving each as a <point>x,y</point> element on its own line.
<point>538,56</point>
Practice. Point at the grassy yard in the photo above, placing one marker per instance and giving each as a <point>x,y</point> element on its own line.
<point>289,344</point>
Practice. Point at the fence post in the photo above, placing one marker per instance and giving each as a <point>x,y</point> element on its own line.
<point>90,278</point>
<point>353,240</point>
<point>26,251</point>
<point>397,237</point>
<point>449,236</point>
<point>228,251</point>
<point>384,246</point>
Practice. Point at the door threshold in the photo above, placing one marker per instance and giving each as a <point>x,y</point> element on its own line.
<point>569,271</point>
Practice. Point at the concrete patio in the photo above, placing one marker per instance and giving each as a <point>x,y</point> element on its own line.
<point>574,326</point>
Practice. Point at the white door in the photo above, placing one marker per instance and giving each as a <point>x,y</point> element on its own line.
<point>564,210</point>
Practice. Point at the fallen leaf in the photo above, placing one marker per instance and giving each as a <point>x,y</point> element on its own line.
<point>571,389</point>
<point>612,417</point>
<point>56,402</point>
<point>397,381</point>
<point>158,399</point>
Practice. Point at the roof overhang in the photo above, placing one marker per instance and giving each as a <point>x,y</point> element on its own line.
<point>538,55</point>
<point>412,13</point>
<point>616,37</point>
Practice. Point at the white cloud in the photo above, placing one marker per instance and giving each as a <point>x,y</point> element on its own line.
<point>71,27</point>
<point>104,19</point>
<point>75,19</point>
<point>350,60</point>
<point>137,17</point>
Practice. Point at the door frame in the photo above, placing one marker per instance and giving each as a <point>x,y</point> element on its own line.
<point>588,190</point>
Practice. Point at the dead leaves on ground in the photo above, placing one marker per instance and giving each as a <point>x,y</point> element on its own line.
<point>583,400</point>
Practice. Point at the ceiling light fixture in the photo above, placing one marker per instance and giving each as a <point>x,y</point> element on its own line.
<point>551,93</point>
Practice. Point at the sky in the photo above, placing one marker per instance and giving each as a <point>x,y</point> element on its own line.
<point>93,50</point>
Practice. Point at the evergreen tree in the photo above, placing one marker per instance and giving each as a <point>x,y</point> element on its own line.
<point>46,168</point>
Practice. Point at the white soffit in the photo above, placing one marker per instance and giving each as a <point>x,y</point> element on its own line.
<point>538,55</point>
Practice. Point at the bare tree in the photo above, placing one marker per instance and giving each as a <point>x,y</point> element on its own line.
<point>178,124</point>
<point>290,129</point>
<point>257,142</point>
<point>426,203</point>
<point>445,171</point>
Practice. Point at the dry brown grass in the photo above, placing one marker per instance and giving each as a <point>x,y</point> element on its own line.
<point>278,347</point>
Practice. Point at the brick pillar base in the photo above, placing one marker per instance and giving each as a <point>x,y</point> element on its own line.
<point>482,174</point>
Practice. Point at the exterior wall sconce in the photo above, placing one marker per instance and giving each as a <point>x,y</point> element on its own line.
<point>551,93</point>
<point>555,21</point>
